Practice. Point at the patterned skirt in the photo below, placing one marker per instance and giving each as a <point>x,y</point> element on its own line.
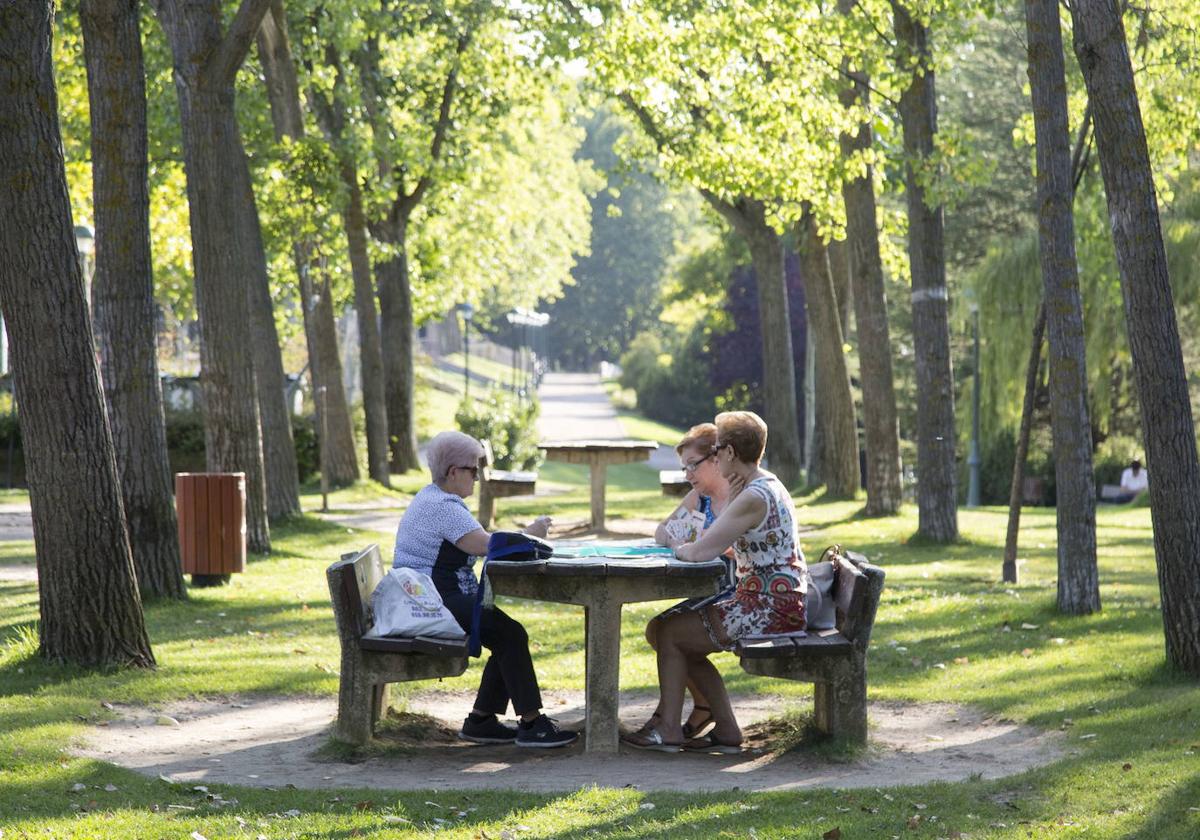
<point>760,605</point>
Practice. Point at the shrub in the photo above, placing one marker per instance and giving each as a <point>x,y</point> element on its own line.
<point>671,387</point>
<point>507,423</point>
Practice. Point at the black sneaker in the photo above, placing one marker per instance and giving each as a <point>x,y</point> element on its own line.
<point>487,730</point>
<point>542,732</point>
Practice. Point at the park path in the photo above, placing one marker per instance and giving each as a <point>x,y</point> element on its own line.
<point>575,406</point>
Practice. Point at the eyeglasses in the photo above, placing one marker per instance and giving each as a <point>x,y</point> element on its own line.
<point>692,466</point>
<point>718,447</point>
<point>474,470</point>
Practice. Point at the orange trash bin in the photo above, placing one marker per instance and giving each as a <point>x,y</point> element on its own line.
<point>211,509</point>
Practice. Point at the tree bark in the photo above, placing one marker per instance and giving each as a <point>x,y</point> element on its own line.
<point>320,331</point>
<point>779,371</point>
<point>123,290</point>
<point>331,115</point>
<point>226,242</point>
<point>839,272</point>
<point>396,340</point>
<point>91,613</point>
<point>1078,577</point>
<point>1009,570</point>
<point>370,347</point>
<point>835,403</point>
<point>881,425</point>
<point>1167,424</point>
<point>936,474</point>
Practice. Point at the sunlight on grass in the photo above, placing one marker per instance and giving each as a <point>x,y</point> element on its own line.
<point>947,630</point>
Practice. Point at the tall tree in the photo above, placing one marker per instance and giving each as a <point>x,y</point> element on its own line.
<point>835,404</point>
<point>331,111</point>
<point>937,502</point>
<point>227,246</point>
<point>1078,577</point>
<point>91,613</point>
<point>123,307</point>
<point>1167,424</point>
<point>340,461</point>
<point>881,427</point>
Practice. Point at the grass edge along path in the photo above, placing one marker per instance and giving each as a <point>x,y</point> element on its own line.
<point>947,630</point>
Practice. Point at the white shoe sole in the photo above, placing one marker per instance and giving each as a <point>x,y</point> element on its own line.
<point>548,746</point>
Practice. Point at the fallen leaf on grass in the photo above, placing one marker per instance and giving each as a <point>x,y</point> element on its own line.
<point>166,720</point>
<point>1126,766</point>
<point>1027,626</point>
<point>111,788</point>
<point>395,820</point>
<point>961,660</point>
<point>914,821</point>
<point>834,833</point>
<point>365,805</point>
<point>196,835</point>
<point>1027,652</point>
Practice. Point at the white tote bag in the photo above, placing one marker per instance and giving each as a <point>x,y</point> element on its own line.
<point>406,603</point>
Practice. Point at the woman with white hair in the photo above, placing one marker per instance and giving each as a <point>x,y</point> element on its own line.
<point>438,536</point>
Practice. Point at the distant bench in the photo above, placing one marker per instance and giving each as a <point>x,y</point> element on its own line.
<point>834,660</point>
<point>674,483</point>
<point>496,484</point>
<point>370,661</point>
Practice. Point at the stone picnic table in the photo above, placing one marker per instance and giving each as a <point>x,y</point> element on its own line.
<point>598,454</point>
<point>601,577</point>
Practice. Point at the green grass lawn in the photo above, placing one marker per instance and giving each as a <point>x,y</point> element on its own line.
<point>947,630</point>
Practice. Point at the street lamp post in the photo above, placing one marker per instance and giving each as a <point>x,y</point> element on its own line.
<point>85,243</point>
<point>468,312</point>
<point>973,458</point>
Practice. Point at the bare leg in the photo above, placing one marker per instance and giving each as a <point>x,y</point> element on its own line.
<point>700,706</point>
<point>708,678</point>
<point>681,639</point>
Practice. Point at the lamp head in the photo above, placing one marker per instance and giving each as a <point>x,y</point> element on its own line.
<point>85,240</point>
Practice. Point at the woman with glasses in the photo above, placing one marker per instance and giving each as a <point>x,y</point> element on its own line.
<point>698,510</point>
<point>438,536</point>
<point>759,523</point>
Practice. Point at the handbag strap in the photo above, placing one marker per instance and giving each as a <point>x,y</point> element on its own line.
<point>475,644</point>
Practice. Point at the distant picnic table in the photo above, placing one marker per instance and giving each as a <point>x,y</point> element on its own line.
<point>598,454</point>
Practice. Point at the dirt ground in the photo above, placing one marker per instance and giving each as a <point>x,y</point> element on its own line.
<point>273,742</point>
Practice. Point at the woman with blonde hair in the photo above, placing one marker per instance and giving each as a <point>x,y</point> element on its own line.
<point>768,599</point>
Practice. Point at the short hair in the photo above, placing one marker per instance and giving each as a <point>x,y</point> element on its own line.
<point>451,449</point>
<point>745,431</point>
<point>702,436</point>
<point>1136,464</point>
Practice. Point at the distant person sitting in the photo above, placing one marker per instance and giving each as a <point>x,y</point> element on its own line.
<point>1134,481</point>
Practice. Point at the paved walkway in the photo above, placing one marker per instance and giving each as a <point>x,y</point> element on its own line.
<point>575,406</point>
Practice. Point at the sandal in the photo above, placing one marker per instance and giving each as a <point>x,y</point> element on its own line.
<point>694,731</point>
<point>710,744</point>
<point>650,739</point>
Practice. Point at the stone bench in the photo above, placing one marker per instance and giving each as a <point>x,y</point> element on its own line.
<point>834,660</point>
<point>369,661</point>
<point>674,483</point>
<point>496,484</point>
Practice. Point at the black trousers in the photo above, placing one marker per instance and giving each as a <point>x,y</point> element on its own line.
<point>508,674</point>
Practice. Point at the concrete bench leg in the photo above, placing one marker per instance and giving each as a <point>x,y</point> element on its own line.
<point>840,707</point>
<point>487,505</point>
<point>356,702</point>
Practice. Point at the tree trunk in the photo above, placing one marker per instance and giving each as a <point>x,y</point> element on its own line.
<point>1015,496</point>
<point>123,291</point>
<point>779,371</point>
<point>331,115</point>
<point>91,614</point>
<point>839,271</point>
<point>320,331</point>
<point>396,340</point>
<point>881,426</point>
<point>1167,425</point>
<point>936,476</point>
<point>835,403</point>
<point>279,449</point>
<point>369,346</point>
<point>226,247</point>
<point>1078,578</point>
